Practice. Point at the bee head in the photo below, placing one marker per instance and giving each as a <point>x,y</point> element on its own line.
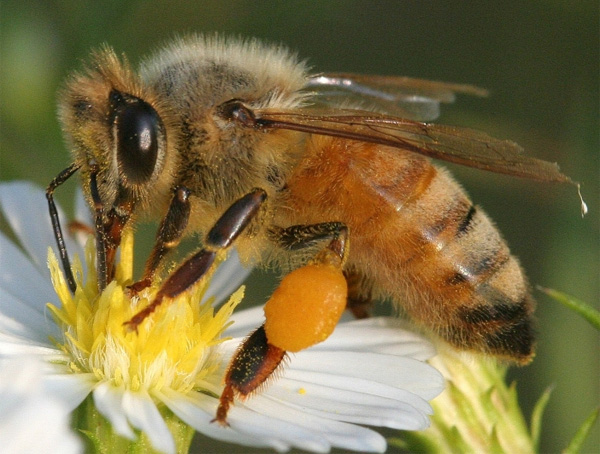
<point>119,127</point>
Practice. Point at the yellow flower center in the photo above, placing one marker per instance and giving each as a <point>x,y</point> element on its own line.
<point>172,348</point>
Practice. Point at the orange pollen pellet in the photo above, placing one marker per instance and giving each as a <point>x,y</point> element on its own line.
<point>306,306</point>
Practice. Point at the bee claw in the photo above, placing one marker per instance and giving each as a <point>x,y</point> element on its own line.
<point>137,287</point>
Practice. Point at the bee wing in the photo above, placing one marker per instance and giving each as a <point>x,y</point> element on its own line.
<point>415,99</point>
<point>449,143</point>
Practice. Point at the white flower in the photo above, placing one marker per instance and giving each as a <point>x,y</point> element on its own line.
<point>369,372</point>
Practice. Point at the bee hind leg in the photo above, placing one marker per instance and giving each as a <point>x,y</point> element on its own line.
<point>290,321</point>
<point>252,364</point>
<point>360,300</point>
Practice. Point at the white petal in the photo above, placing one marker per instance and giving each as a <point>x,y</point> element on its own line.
<point>261,422</point>
<point>143,415</point>
<point>198,410</point>
<point>69,387</point>
<point>391,407</point>
<point>109,402</point>
<point>279,434</point>
<point>405,373</point>
<point>379,335</point>
<point>228,277</point>
<point>246,321</point>
<point>14,345</point>
<point>82,209</point>
<point>279,420</point>
<point>31,225</point>
<point>365,388</point>
<point>22,320</point>
<point>21,278</point>
<point>32,420</point>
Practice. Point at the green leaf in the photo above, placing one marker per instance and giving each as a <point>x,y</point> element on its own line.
<point>578,306</point>
<point>536,417</point>
<point>575,445</point>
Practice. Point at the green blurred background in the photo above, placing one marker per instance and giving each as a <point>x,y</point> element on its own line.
<point>539,59</point>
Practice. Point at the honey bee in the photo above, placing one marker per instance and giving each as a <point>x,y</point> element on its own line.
<point>235,140</point>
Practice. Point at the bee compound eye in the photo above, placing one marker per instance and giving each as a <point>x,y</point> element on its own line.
<point>138,132</point>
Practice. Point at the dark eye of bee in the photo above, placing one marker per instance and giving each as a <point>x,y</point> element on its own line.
<point>236,111</point>
<point>138,129</point>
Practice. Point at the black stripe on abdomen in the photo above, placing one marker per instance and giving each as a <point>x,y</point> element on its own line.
<point>467,220</point>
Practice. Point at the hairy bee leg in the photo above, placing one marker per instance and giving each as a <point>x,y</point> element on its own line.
<point>301,236</point>
<point>109,228</point>
<point>101,254</point>
<point>58,234</point>
<point>252,364</point>
<point>257,359</point>
<point>360,299</point>
<point>168,236</point>
<point>76,226</point>
<point>227,228</point>
<point>296,237</point>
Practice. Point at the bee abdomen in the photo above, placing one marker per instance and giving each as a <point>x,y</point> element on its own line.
<point>415,237</point>
<point>504,327</point>
<point>465,267</point>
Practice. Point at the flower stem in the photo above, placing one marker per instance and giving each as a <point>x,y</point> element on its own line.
<point>102,439</point>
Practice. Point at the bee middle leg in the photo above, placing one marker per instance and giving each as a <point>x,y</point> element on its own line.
<point>360,294</point>
<point>169,235</point>
<point>221,236</point>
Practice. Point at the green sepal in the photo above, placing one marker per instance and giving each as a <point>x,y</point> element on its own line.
<point>579,438</point>
<point>536,417</point>
<point>583,309</point>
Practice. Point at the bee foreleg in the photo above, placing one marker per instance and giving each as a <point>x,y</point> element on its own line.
<point>60,241</point>
<point>227,228</point>
<point>109,225</point>
<point>168,236</point>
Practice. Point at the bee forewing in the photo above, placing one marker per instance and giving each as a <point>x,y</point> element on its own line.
<point>449,143</point>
